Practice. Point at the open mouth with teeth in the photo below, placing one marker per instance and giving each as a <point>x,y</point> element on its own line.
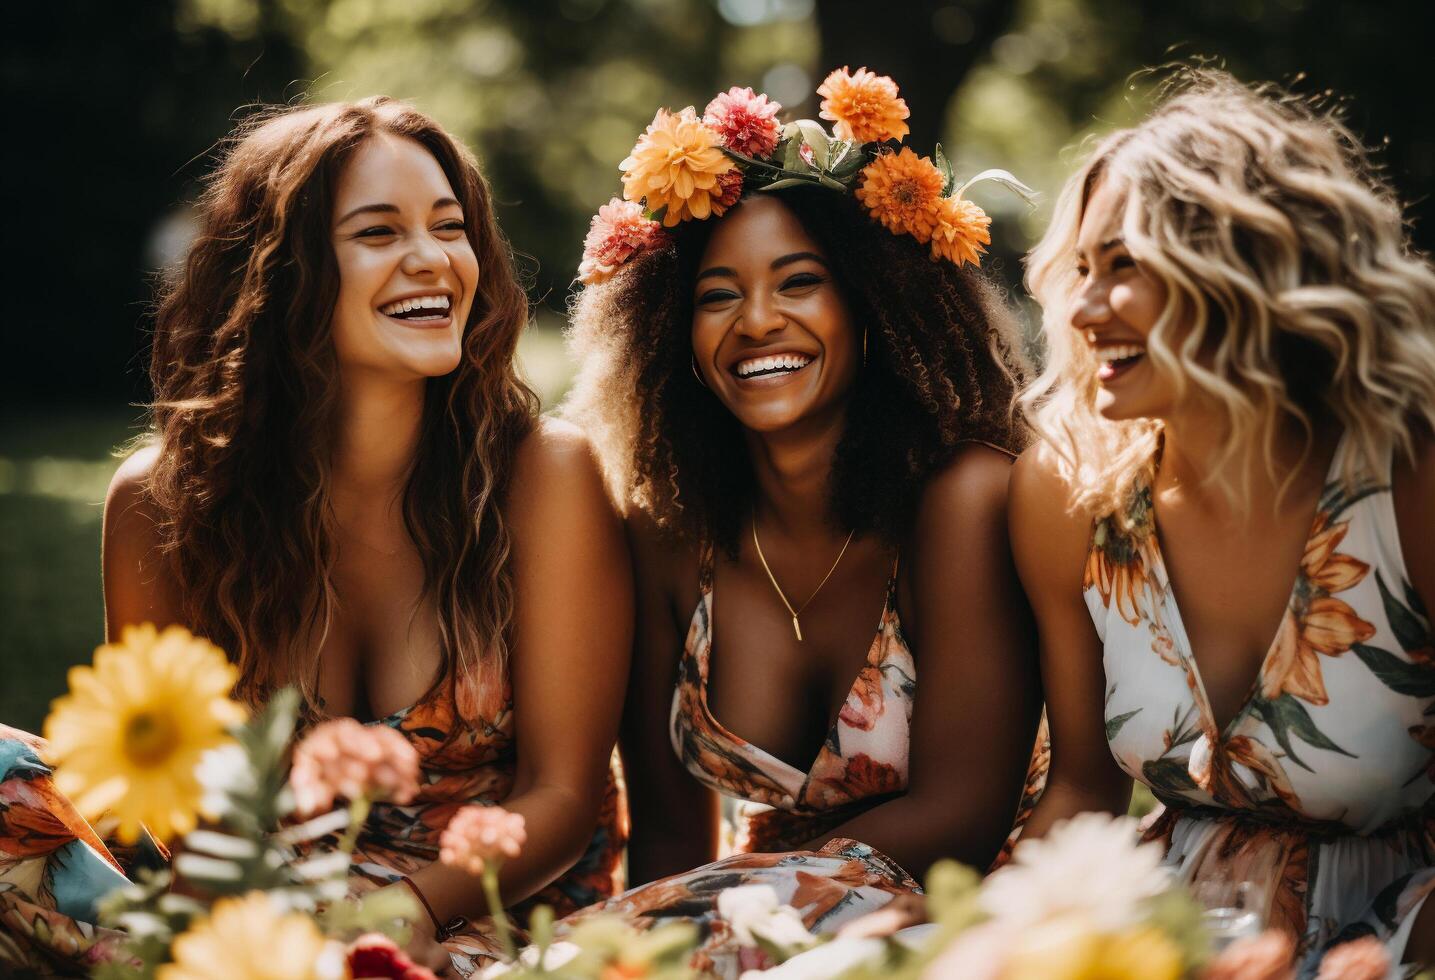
<point>771,366</point>
<point>1117,359</point>
<point>418,309</point>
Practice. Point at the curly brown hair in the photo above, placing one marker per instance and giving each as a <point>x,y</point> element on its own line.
<point>943,363</point>
<point>246,382</point>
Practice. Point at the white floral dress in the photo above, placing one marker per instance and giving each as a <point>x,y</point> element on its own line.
<point>1320,788</point>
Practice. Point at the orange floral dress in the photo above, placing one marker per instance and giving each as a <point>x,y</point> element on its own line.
<point>54,867</point>
<point>777,809</point>
<point>1322,788</point>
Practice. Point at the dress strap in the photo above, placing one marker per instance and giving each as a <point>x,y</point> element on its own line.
<point>705,565</point>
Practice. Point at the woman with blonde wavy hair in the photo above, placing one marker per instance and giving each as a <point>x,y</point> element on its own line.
<point>349,489</point>
<point>1225,530</point>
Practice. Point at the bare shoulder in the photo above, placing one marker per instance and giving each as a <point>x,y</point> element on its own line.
<point>972,486</point>
<point>131,516</point>
<point>555,465</point>
<point>1049,533</point>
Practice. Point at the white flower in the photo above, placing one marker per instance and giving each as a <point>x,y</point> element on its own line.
<point>753,911</point>
<point>1090,865</point>
<point>220,772</point>
<point>556,956</point>
<point>823,962</point>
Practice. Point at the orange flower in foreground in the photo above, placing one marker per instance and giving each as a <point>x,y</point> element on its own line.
<point>1269,956</point>
<point>343,758</point>
<point>478,835</point>
<point>904,192</point>
<point>1320,625</point>
<point>962,230</point>
<point>863,107</point>
<point>1360,959</point>
<point>676,165</point>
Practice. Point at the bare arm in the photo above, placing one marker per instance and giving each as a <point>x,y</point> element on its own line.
<point>572,635</point>
<point>978,693</point>
<point>675,818</point>
<point>1049,544</point>
<point>137,587</point>
<point>1415,516</point>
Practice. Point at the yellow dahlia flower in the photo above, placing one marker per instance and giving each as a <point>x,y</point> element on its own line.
<point>1145,953</point>
<point>676,165</point>
<point>127,738</point>
<point>247,939</point>
<point>962,229</point>
<point>904,192</point>
<point>863,107</point>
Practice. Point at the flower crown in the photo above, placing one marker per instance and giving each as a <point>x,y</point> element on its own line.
<point>686,167</point>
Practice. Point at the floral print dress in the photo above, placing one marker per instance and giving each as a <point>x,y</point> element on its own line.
<point>778,809</point>
<point>1320,789</point>
<point>54,866</point>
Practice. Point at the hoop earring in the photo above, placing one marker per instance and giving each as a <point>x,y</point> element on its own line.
<point>864,346</point>
<point>693,360</point>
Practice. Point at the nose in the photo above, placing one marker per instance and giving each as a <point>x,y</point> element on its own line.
<point>1090,306</point>
<point>424,256</point>
<point>758,317</point>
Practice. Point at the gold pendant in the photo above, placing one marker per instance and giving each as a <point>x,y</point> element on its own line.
<point>797,629</point>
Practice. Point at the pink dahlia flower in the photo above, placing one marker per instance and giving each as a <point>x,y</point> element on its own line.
<point>618,232</point>
<point>342,758</point>
<point>1269,956</point>
<point>746,121</point>
<point>1360,959</point>
<point>479,834</point>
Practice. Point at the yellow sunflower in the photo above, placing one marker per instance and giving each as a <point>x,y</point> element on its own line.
<point>248,939</point>
<point>962,230</point>
<point>904,192</point>
<point>127,738</point>
<point>676,165</point>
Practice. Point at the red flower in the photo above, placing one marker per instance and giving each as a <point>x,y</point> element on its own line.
<point>375,955</point>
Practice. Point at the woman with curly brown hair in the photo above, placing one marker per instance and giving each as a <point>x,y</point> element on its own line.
<point>807,417</point>
<point>1226,530</point>
<point>349,489</point>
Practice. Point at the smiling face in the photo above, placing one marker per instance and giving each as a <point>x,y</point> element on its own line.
<point>407,271</point>
<point>771,333</point>
<point>1115,306</point>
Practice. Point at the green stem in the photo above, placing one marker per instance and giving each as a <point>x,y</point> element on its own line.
<point>495,909</point>
<point>358,813</point>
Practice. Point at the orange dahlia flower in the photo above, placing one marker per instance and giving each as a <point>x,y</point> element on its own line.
<point>864,107</point>
<point>962,230</point>
<point>676,165</point>
<point>904,192</point>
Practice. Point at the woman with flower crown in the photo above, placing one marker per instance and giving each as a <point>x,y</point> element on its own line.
<point>349,491</point>
<point>1225,533</point>
<point>799,387</point>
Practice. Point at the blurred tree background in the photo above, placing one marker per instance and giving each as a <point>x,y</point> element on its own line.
<point>117,110</point>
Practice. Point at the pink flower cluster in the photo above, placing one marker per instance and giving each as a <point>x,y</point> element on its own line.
<point>619,231</point>
<point>745,121</point>
<point>478,835</point>
<point>1360,959</point>
<point>343,759</point>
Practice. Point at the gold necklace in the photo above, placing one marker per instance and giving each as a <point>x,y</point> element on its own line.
<point>796,627</point>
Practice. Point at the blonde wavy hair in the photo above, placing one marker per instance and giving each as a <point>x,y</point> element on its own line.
<point>1287,268</point>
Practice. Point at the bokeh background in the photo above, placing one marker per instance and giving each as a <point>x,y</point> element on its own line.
<point>116,107</point>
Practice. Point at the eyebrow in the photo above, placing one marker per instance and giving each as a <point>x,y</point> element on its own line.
<point>778,263</point>
<point>442,202</point>
<point>1105,246</point>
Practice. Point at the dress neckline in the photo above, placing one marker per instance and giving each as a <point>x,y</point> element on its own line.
<point>702,619</point>
<point>1178,625</point>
